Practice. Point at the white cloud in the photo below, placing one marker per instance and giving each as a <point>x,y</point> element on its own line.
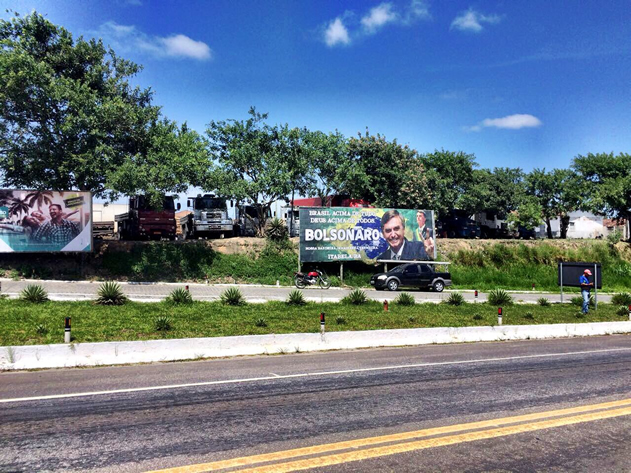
<point>346,28</point>
<point>511,122</point>
<point>377,17</point>
<point>336,33</point>
<point>127,38</point>
<point>472,21</point>
<point>183,46</point>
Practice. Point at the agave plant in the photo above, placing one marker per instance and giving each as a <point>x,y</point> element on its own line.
<point>296,297</point>
<point>110,293</point>
<point>455,298</point>
<point>543,302</point>
<point>356,297</point>
<point>276,230</point>
<point>499,297</point>
<point>34,293</point>
<point>622,298</point>
<point>163,324</point>
<point>405,298</point>
<point>232,296</point>
<point>180,296</point>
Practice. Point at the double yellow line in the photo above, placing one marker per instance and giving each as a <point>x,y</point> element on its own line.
<point>354,450</point>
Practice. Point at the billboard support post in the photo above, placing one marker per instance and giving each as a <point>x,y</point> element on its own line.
<point>595,287</point>
<point>341,273</point>
<point>561,268</point>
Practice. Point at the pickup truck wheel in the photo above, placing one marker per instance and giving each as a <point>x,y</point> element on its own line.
<point>439,286</point>
<point>393,285</point>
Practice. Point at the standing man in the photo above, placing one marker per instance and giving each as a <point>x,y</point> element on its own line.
<point>58,230</point>
<point>424,233</point>
<point>399,248</point>
<point>586,287</point>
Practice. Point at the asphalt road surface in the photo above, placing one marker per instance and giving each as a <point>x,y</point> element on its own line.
<point>561,405</point>
<point>81,290</point>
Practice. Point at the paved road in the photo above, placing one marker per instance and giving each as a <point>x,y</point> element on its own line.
<point>68,290</point>
<point>436,408</point>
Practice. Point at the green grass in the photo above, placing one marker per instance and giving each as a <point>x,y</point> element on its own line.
<point>19,321</point>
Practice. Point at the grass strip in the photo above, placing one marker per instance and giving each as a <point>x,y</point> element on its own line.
<point>23,323</point>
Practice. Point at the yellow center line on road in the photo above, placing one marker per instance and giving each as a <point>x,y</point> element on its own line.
<point>494,429</point>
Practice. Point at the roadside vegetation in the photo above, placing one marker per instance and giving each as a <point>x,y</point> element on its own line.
<point>24,323</point>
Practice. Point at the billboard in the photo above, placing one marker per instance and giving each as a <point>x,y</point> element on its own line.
<point>568,274</point>
<point>366,234</point>
<point>44,221</point>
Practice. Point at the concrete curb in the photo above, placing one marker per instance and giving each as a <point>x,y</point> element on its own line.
<point>114,353</point>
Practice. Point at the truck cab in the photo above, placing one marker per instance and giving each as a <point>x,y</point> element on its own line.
<point>209,217</point>
<point>145,222</point>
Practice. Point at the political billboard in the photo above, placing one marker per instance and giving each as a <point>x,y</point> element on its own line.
<point>33,221</point>
<point>366,234</point>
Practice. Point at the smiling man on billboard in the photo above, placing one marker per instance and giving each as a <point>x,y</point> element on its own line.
<point>399,247</point>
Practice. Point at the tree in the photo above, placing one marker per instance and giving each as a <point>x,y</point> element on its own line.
<point>390,175</point>
<point>334,171</point>
<point>449,178</point>
<point>69,118</point>
<point>174,158</point>
<point>527,214</point>
<point>608,180</point>
<point>258,162</point>
<point>558,194</point>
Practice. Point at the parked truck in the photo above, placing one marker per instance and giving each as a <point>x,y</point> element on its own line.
<point>248,219</point>
<point>144,222</point>
<point>209,217</point>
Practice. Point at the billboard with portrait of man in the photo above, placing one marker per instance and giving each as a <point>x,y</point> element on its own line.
<point>34,221</point>
<point>366,234</point>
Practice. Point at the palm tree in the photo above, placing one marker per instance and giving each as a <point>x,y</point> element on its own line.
<point>19,206</point>
<point>39,197</point>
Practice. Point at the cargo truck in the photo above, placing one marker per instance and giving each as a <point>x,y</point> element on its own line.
<point>209,218</point>
<point>145,222</point>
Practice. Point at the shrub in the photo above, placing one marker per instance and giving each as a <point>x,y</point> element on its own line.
<point>34,293</point>
<point>260,322</point>
<point>180,296</point>
<point>340,320</point>
<point>499,297</point>
<point>578,301</point>
<point>356,297</point>
<point>163,323</point>
<point>110,293</point>
<point>614,237</point>
<point>455,298</point>
<point>296,297</point>
<point>477,317</point>
<point>529,316</point>
<point>622,310</point>
<point>276,230</point>
<point>543,302</point>
<point>232,296</point>
<point>41,329</point>
<point>579,315</point>
<point>405,298</point>
<point>623,298</point>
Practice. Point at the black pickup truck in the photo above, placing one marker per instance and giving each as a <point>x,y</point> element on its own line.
<point>421,275</point>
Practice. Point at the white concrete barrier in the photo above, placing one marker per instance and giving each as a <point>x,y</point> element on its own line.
<point>113,353</point>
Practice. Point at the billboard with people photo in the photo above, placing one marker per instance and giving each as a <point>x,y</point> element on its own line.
<point>366,234</point>
<point>45,221</point>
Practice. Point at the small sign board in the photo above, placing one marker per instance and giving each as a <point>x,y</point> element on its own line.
<point>569,273</point>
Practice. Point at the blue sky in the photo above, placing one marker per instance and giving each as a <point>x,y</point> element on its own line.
<point>527,84</point>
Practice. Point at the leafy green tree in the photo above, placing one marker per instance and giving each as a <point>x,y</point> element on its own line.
<point>449,179</point>
<point>527,214</point>
<point>69,118</point>
<point>174,158</point>
<point>558,193</point>
<point>257,162</point>
<point>391,175</point>
<point>333,169</point>
<point>608,179</point>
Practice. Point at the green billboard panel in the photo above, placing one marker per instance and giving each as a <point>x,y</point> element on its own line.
<point>34,221</point>
<point>366,234</point>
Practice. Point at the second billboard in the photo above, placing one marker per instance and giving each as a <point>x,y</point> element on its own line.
<point>366,234</point>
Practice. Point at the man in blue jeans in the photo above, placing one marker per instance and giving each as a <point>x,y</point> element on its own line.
<point>586,287</point>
